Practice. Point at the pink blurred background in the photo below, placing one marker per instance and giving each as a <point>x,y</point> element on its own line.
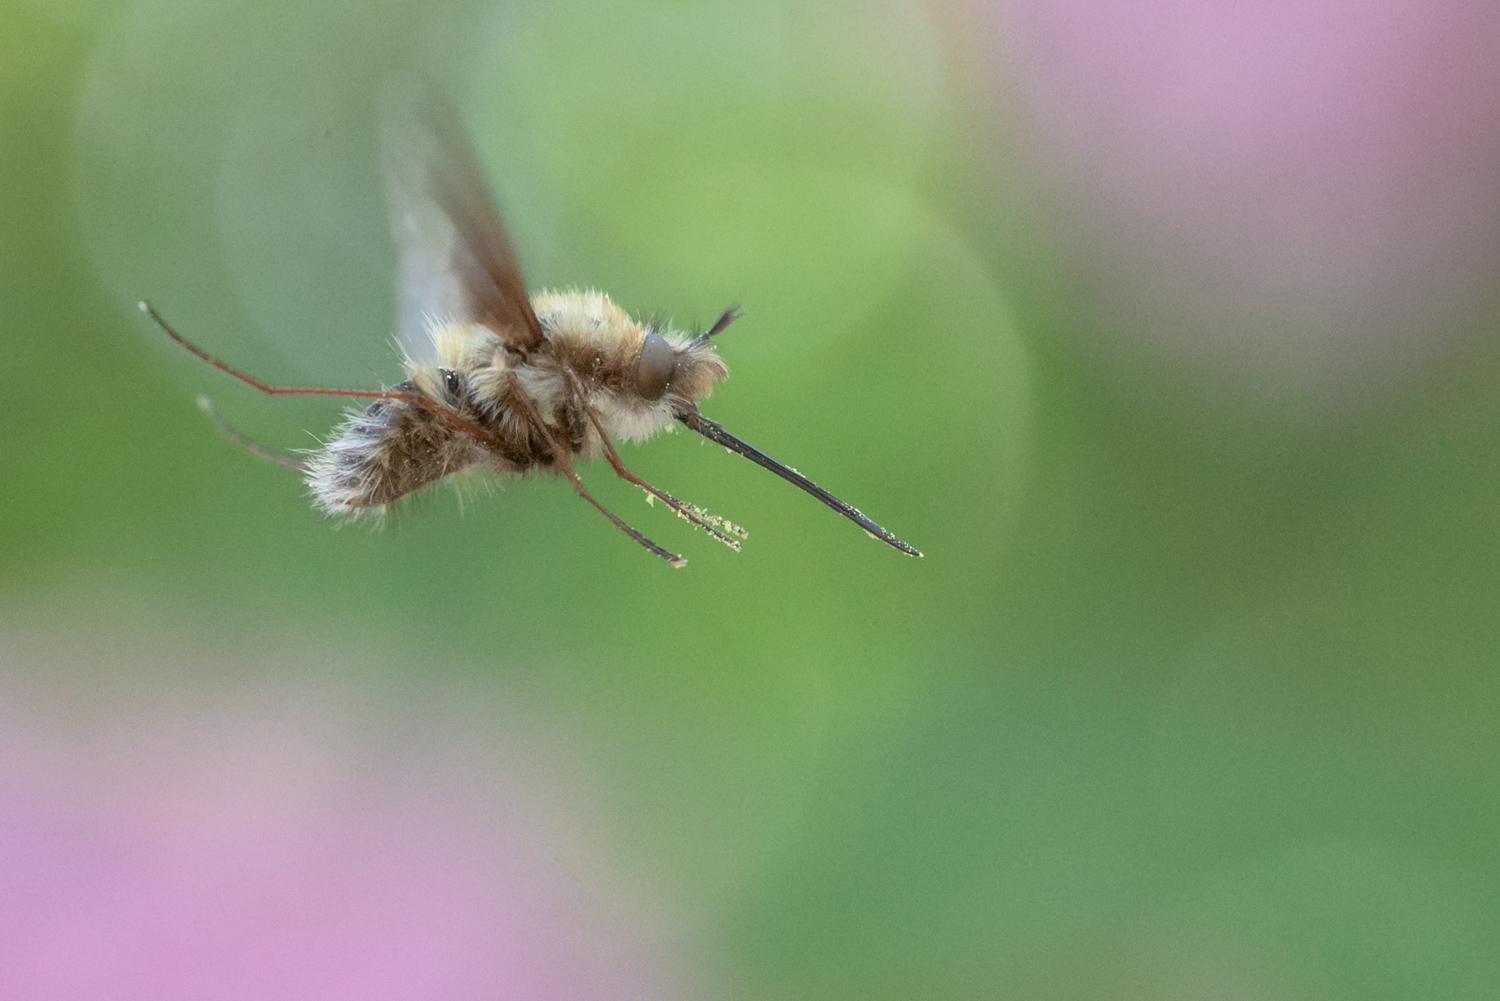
<point>175,827</point>
<point>1298,198</point>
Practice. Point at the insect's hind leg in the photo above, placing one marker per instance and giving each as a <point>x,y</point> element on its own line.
<point>455,419</point>
<point>719,528</point>
<point>247,443</point>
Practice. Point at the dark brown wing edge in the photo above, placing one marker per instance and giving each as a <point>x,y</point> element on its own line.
<point>483,259</point>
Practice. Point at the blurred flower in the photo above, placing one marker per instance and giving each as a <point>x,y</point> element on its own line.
<point>1303,196</point>
<point>270,838</point>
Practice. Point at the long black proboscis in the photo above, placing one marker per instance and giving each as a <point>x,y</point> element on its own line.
<point>715,432</point>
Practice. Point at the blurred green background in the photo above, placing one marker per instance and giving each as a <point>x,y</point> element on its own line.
<point>1193,696</point>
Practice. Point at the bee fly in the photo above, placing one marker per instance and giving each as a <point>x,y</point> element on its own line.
<point>499,379</point>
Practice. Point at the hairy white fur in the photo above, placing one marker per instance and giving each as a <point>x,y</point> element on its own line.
<point>338,474</point>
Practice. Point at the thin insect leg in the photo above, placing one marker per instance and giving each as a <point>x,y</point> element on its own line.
<point>710,523</point>
<point>247,443</point>
<point>421,399</point>
<point>672,558</point>
<point>725,319</point>
<point>564,462</point>
<point>245,377</point>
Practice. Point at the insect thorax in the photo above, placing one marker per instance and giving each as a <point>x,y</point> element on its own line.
<point>602,345</point>
<point>585,372</point>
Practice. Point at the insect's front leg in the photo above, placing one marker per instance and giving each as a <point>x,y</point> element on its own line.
<point>563,459</point>
<point>574,423</point>
<point>710,523</point>
<point>672,558</point>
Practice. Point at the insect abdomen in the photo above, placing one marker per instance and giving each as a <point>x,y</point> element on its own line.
<point>384,452</point>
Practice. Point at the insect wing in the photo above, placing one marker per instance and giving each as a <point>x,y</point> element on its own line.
<point>456,261</point>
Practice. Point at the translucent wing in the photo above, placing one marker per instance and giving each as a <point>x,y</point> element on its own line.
<point>456,261</point>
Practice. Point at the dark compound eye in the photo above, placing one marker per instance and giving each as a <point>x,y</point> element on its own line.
<point>658,362</point>
<point>452,382</point>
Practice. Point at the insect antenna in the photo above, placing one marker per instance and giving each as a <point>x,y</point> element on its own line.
<point>725,319</point>
<point>715,432</point>
<point>691,513</point>
<point>247,443</point>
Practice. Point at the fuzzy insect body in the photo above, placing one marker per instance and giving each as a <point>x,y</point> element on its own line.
<point>500,379</point>
<point>394,447</point>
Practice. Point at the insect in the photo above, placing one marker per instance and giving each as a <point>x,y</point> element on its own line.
<point>498,378</point>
